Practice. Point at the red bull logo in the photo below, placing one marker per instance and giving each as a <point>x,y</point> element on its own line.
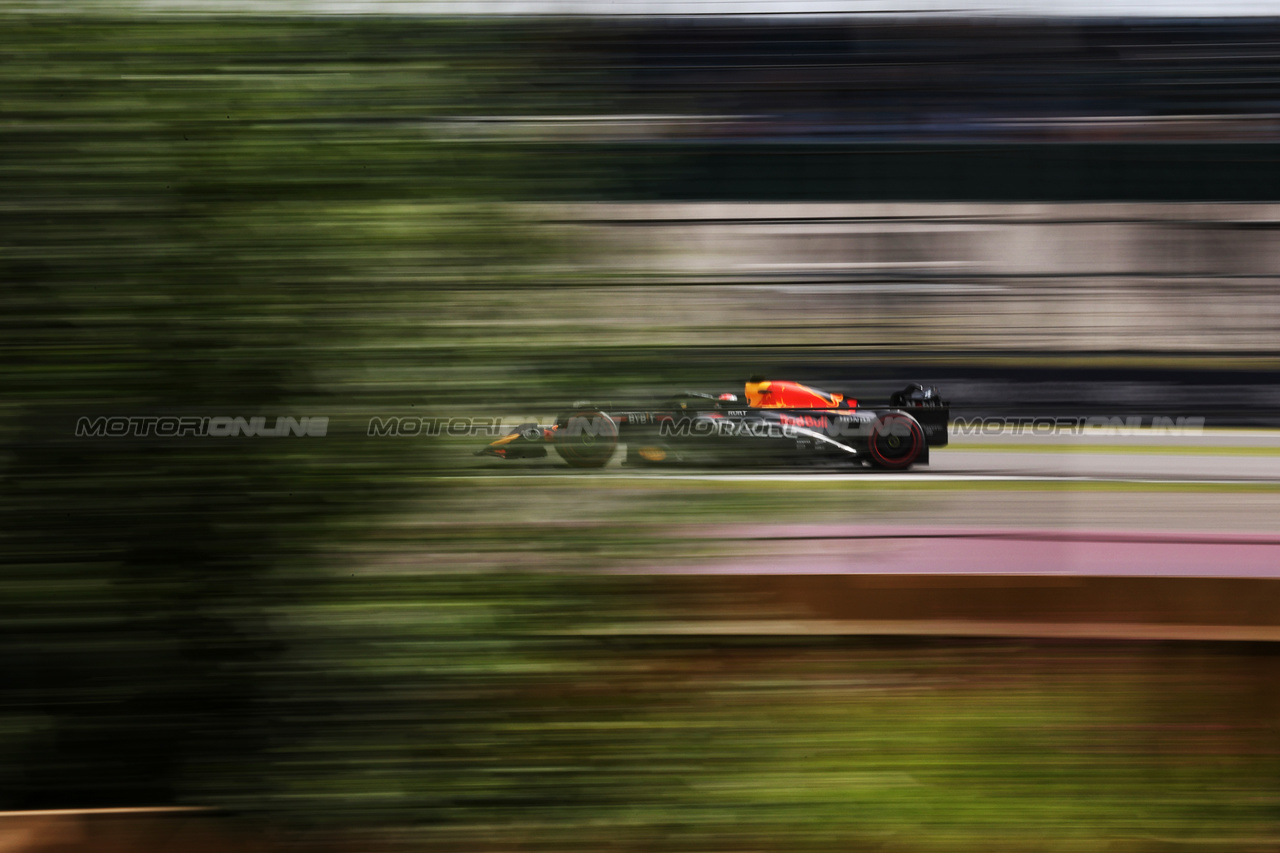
<point>807,421</point>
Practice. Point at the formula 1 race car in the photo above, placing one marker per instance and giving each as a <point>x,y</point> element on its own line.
<point>781,423</point>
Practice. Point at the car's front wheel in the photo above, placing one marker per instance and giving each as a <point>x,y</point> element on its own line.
<point>585,438</point>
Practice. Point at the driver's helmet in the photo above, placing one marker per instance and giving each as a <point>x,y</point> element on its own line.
<point>766,394</point>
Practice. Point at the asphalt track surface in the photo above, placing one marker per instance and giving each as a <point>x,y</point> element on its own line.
<point>1243,457</point>
<point>1230,530</point>
<point>1215,456</point>
<point>1083,464</point>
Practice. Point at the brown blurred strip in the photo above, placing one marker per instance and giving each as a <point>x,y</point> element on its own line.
<point>1119,608</point>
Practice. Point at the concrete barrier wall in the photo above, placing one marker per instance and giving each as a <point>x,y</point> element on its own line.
<point>1057,276</point>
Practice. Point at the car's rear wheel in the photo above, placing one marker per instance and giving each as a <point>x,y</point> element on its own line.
<point>896,442</point>
<point>585,438</point>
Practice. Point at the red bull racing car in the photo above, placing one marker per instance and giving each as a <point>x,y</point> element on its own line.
<point>774,422</point>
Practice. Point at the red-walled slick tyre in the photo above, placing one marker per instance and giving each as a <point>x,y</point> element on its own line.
<point>896,441</point>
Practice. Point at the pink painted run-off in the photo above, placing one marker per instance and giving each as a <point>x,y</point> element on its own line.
<point>870,550</point>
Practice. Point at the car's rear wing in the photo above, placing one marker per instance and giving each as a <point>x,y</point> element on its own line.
<point>926,405</point>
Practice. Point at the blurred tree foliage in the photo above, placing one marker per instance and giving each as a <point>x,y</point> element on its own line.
<point>220,217</point>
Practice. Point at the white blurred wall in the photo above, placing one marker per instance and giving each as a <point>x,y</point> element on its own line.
<point>1057,276</point>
